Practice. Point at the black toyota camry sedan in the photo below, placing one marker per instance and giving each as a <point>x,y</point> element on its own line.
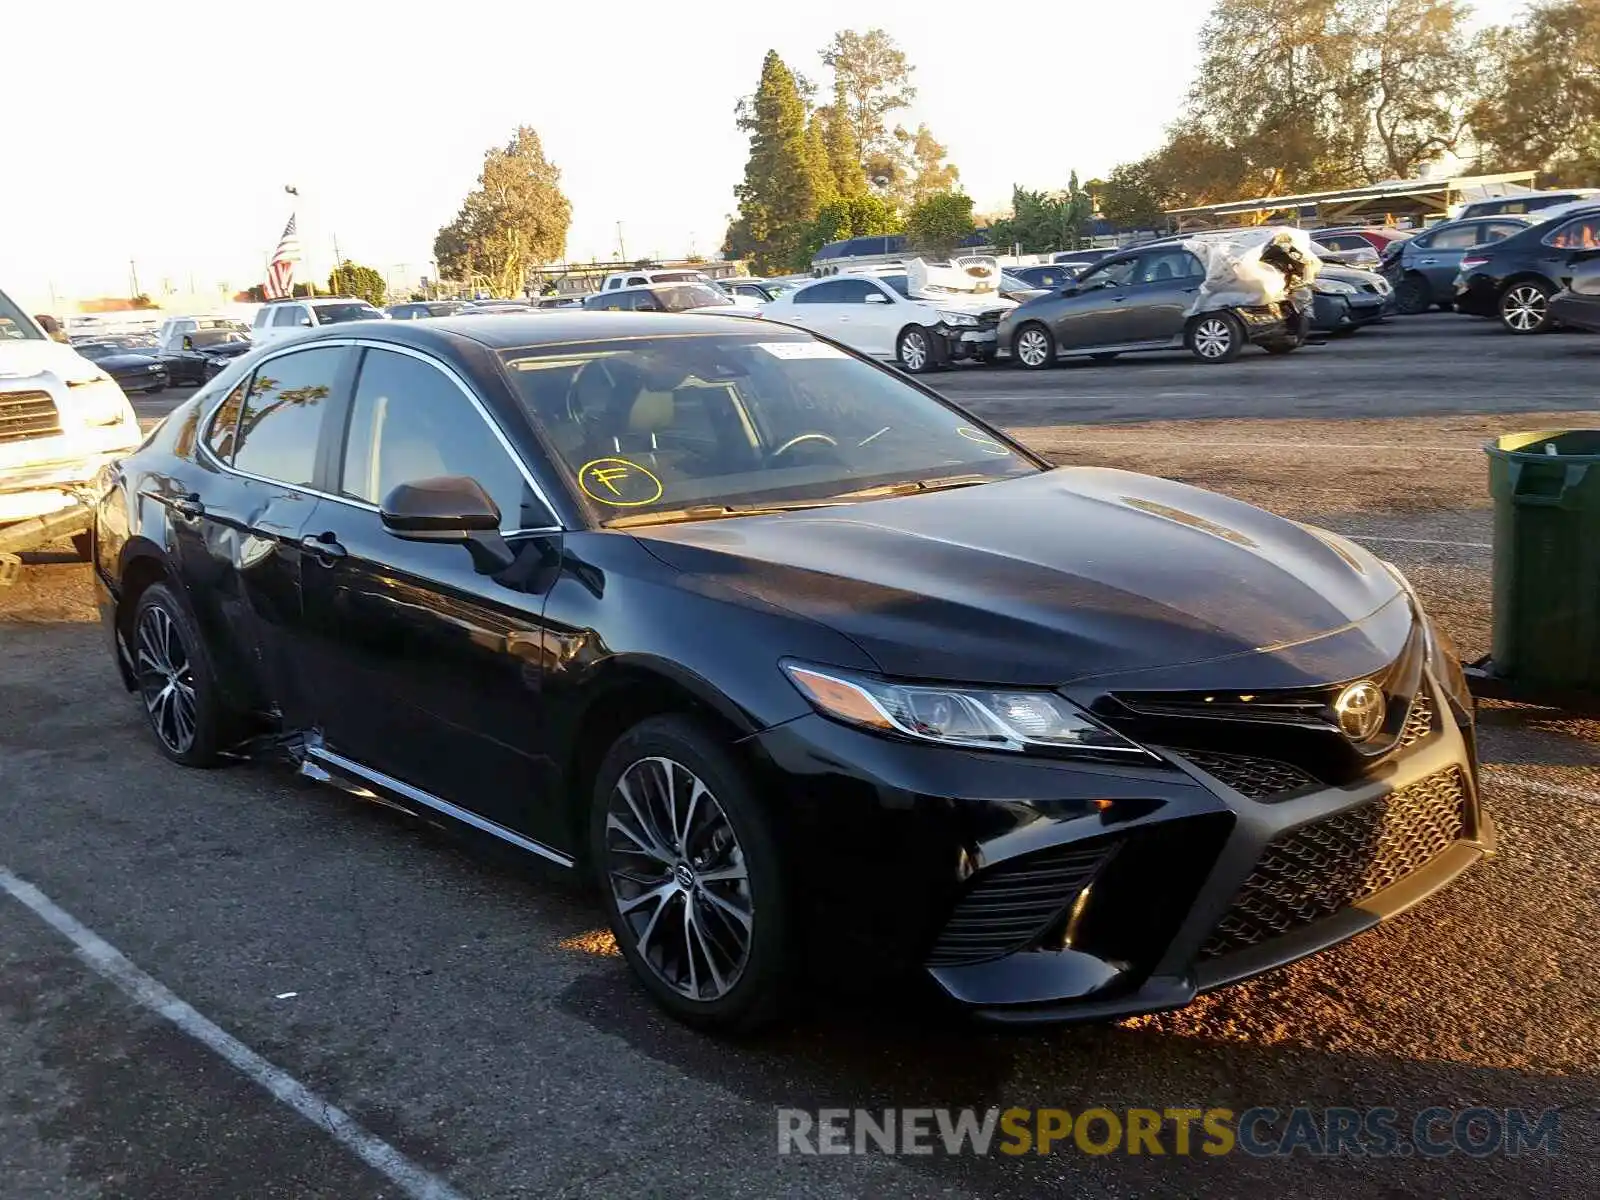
<point>809,669</point>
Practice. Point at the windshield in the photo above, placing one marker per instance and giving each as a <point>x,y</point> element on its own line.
<point>771,418</point>
<point>681,296</point>
<point>14,325</point>
<point>96,350</point>
<point>218,337</point>
<point>333,314</point>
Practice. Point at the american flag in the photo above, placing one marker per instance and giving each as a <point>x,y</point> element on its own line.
<point>280,271</point>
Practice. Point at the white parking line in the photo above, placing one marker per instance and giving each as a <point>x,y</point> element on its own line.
<point>1539,787</point>
<point>109,962</point>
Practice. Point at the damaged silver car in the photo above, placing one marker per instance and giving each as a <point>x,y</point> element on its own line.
<point>1213,295</point>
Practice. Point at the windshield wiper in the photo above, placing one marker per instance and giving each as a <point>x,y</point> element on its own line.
<point>712,512</point>
<point>916,485</point>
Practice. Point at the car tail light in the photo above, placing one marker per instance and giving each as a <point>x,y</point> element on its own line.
<point>1473,262</point>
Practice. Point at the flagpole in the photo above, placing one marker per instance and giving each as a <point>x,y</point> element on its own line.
<point>293,214</point>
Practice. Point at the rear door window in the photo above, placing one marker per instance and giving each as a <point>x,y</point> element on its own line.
<point>282,418</point>
<point>1458,238</point>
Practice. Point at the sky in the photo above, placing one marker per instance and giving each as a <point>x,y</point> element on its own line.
<point>156,136</point>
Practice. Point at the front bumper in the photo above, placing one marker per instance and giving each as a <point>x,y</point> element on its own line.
<point>1332,313</point>
<point>143,380</point>
<point>1575,311</point>
<point>37,491</point>
<point>962,342</point>
<point>932,861</point>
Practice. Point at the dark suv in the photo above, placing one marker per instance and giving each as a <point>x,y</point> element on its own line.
<point>1423,269</point>
<point>1141,300</point>
<point>1514,279</point>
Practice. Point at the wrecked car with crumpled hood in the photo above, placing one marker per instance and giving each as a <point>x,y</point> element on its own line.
<point>1212,294</point>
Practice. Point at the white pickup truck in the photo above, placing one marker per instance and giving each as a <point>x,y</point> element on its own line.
<point>61,419</point>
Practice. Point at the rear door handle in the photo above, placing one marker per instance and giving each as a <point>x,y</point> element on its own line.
<point>189,506</point>
<point>324,547</point>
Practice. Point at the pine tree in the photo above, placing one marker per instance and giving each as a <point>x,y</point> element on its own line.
<point>778,199</point>
<point>844,152</point>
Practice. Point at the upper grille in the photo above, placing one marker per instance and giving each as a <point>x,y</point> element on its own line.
<point>1006,907</point>
<point>1319,869</point>
<point>1419,722</point>
<point>1257,778</point>
<point>26,415</point>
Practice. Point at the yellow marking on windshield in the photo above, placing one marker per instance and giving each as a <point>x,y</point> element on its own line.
<point>618,482</point>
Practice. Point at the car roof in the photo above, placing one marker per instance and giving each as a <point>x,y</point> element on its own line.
<point>552,327</point>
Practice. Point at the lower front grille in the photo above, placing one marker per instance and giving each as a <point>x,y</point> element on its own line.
<point>1008,906</point>
<point>1322,868</point>
<point>25,415</point>
<point>1419,722</point>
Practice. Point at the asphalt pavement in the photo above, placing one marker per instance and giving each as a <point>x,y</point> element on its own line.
<point>231,983</point>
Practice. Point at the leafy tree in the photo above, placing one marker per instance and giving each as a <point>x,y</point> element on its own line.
<point>1417,79</point>
<point>933,175</point>
<point>839,136</point>
<point>817,166</point>
<point>875,79</point>
<point>940,223</point>
<point>1042,221</point>
<point>352,279</point>
<point>1540,105</point>
<point>515,219</point>
<point>779,197</point>
<point>863,215</point>
<point>142,301</point>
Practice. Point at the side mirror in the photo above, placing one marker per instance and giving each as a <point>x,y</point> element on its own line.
<point>188,342</point>
<point>305,321</point>
<point>448,508</point>
<point>877,298</point>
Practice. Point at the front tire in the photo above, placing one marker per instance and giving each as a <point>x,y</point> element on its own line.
<point>1412,295</point>
<point>1215,337</point>
<point>1282,345</point>
<point>1034,347</point>
<point>690,875</point>
<point>174,679</point>
<point>1525,307</point>
<point>914,350</point>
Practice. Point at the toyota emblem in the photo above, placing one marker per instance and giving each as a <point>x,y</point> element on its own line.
<point>1361,709</point>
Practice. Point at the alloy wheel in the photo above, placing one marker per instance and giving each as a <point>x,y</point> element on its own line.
<point>1525,308</point>
<point>914,350</point>
<point>166,679</point>
<point>1033,347</point>
<point>1213,338</point>
<point>678,876</point>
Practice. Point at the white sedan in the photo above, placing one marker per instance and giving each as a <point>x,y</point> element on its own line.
<point>870,313</point>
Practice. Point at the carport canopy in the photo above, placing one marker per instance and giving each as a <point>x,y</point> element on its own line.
<point>1414,201</point>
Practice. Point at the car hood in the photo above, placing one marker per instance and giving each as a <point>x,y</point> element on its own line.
<point>133,360</point>
<point>226,349</point>
<point>28,359</point>
<point>1055,578</point>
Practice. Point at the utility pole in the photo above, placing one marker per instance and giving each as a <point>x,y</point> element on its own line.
<point>338,267</point>
<point>133,274</point>
<point>622,250</point>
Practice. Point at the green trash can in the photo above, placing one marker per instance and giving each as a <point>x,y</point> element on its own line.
<point>1546,489</point>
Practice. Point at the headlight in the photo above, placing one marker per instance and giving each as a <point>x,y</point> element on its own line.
<point>956,318</point>
<point>1439,652</point>
<point>972,717</point>
<point>102,404</point>
<point>1332,287</point>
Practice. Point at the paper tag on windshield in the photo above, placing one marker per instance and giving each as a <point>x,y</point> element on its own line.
<point>802,350</point>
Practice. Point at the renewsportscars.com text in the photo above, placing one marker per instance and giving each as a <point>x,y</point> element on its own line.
<point>1258,1132</point>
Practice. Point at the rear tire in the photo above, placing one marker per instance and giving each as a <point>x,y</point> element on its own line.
<point>174,679</point>
<point>1216,337</point>
<point>1034,347</point>
<point>690,875</point>
<point>1525,307</point>
<point>1412,295</point>
<point>1282,345</point>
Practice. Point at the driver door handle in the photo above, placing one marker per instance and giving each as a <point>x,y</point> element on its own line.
<point>324,547</point>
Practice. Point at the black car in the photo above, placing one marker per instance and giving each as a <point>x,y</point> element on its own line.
<point>418,310</point>
<point>1346,298</point>
<point>1423,269</point>
<point>1141,300</point>
<point>1515,278</point>
<point>202,355</point>
<point>1578,307</point>
<point>134,370</point>
<point>812,671</point>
